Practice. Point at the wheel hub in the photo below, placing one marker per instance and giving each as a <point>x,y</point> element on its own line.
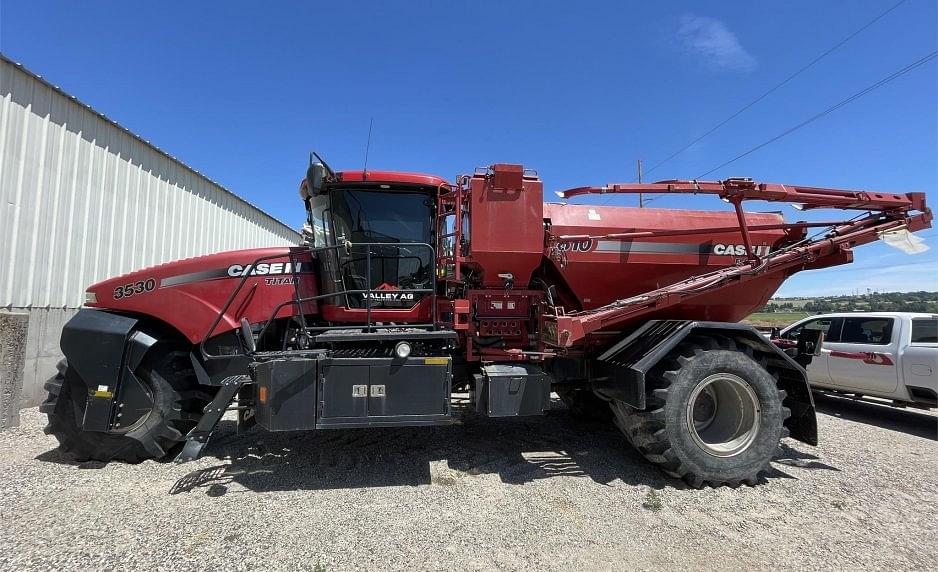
<point>724,415</point>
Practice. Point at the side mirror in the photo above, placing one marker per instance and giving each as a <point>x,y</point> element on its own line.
<point>810,343</point>
<point>776,332</point>
<point>819,344</point>
<point>314,178</point>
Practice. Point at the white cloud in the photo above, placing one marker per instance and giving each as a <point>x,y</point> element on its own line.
<point>710,39</point>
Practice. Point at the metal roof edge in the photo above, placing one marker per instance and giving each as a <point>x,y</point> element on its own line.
<point>64,93</point>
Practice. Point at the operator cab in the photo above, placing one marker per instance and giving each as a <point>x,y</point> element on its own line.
<point>372,235</point>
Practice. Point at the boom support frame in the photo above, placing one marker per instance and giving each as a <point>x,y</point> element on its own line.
<point>887,212</point>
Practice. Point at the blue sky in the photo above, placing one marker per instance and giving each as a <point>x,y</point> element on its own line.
<point>243,91</point>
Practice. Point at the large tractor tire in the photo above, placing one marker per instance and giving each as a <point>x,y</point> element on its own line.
<point>714,415</point>
<point>586,405</point>
<point>177,405</point>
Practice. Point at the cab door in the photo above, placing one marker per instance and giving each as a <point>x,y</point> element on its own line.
<point>865,358</point>
<point>818,371</point>
<point>920,359</point>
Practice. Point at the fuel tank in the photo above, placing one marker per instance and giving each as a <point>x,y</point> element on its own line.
<point>189,294</point>
<point>600,270</point>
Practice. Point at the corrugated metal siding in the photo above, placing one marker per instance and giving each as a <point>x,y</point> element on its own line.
<point>83,199</point>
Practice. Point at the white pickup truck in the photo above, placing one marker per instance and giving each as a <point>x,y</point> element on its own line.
<point>890,355</point>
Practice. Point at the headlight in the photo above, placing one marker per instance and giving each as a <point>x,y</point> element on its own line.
<point>91,297</point>
<point>402,350</point>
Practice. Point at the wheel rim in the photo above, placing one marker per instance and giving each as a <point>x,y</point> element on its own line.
<point>723,414</point>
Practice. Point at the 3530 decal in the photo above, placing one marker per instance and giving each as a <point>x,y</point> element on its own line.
<point>134,288</point>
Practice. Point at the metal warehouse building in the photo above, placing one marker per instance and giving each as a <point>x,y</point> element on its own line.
<point>82,199</point>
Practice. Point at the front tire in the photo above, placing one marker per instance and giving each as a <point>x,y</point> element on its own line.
<point>714,415</point>
<point>177,405</point>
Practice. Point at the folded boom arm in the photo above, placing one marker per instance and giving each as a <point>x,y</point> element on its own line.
<point>736,190</point>
<point>888,212</point>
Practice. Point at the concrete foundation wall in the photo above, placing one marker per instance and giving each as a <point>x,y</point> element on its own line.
<point>13,327</point>
<point>42,350</point>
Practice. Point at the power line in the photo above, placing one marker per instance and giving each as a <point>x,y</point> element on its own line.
<point>775,88</point>
<point>831,109</point>
<point>817,116</point>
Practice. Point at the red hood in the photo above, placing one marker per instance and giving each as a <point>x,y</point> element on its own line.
<point>197,268</point>
<point>188,294</point>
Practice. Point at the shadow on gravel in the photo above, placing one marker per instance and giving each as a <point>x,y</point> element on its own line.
<point>519,451</point>
<point>792,457</point>
<point>58,457</point>
<point>907,421</point>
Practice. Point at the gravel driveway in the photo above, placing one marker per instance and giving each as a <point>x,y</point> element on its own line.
<point>543,493</point>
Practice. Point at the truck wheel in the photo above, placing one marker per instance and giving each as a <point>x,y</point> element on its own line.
<point>713,416</point>
<point>584,404</point>
<point>177,406</point>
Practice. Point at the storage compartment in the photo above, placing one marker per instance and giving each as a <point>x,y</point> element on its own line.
<point>372,392</point>
<point>512,390</point>
<point>285,393</point>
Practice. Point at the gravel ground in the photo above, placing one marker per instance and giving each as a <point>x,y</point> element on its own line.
<point>543,493</point>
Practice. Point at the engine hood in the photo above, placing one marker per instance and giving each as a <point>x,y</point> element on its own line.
<point>221,266</point>
<point>193,294</point>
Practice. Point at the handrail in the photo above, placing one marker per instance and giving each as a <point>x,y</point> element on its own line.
<point>297,300</point>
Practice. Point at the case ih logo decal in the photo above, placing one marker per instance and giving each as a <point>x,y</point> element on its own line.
<point>738,249</point>
<point>239,270</point>
<point>264,269</point>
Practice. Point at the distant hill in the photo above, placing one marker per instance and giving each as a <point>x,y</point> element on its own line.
<point>869,302</point>
<point>783,311</point>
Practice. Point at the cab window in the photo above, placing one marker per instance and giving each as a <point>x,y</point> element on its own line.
<point>924,330</point>
<point>319,221</point>
<point>830,327</point>
<point>876,331</point>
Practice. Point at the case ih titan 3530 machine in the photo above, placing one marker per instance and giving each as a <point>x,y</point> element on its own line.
<point>408,289</point>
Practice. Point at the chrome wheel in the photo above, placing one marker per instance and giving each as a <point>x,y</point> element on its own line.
<point>724,415</point>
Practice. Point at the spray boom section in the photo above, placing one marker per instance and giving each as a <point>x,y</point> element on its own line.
<point>887,215</point>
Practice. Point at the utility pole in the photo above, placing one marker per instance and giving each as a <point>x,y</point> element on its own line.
<point>641,199</point>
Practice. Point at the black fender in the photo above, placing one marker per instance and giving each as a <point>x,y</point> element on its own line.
<point>619,373</point>
<point>105,349</point>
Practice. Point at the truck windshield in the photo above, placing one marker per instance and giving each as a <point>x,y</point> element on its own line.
<point>396,220</point>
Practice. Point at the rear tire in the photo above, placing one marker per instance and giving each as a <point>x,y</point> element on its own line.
<point>177,405</point>
<point>714,415</point>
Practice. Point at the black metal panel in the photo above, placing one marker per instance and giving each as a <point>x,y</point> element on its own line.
<point>651,339</point>
<point>101,347</point>
<point>340,393</point>
<point>93,343</point>
<point>398,421</point>
<point>285,393</point>
<point>619,373</point>
<point>513,390</point>
<point>408,390</point>
<point>97,413</point>
<point>358,335</point>
<point>134,400</point>
<point>384,392</point>
<point>214,371</point>
<point>617,382</point>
